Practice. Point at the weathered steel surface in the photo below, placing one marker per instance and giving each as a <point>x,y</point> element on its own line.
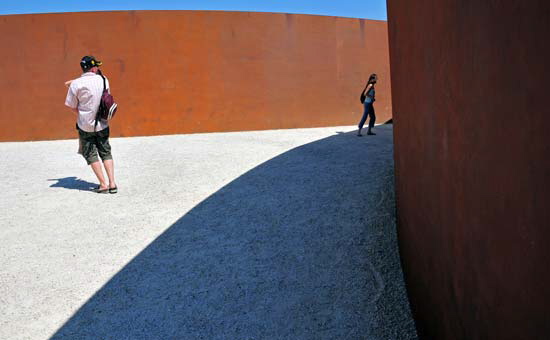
<point>191,71</point>
<point>472,151</point>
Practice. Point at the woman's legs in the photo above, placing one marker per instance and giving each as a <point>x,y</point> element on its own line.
<point>364,118</point>
<point>371,120</point>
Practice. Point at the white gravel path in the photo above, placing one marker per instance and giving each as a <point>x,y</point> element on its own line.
<point>284,234</point>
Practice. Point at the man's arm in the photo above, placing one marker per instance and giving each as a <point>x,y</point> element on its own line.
<point>72,101</point>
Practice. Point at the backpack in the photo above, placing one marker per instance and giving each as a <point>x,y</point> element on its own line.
<point>363,97</point>
<point>107,105</point>
<point>363,94</point>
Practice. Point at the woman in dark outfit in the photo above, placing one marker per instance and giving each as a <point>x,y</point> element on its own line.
<point>369,94</point>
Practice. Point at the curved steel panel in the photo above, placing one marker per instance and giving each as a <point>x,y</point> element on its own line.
<point>191,71</point>
<point>472,159</point>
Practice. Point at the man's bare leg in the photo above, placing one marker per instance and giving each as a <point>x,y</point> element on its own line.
<point>98,171</point>
<point>110,169</point>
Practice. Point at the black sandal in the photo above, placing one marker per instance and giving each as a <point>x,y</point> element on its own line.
<point>100,191</point>
<point>113,190</point>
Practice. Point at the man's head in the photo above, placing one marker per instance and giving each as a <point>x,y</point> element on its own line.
<point>89,63</point>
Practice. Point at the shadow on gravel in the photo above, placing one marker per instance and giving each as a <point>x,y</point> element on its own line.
<point>72,183</point>
<point>301,247</point>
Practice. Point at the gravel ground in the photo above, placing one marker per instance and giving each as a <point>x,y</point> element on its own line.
<point>286,234</point>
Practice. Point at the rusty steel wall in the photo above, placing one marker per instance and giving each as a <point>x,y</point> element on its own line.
<point>470,84</point>
<point>191,71</point>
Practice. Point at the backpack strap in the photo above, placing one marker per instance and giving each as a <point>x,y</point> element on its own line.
<point>97,113</point>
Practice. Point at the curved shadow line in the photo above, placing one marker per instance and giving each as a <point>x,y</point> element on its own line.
<point>283,251</point>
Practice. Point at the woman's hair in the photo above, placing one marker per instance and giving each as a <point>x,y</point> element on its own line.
<point>373,77</point>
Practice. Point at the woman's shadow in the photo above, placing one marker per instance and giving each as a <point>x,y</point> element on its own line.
<point>72,183</point>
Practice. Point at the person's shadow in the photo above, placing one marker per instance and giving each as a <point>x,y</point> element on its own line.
<point>72,183</point>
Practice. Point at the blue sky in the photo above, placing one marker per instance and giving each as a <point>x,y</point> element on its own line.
<point>369,9</point>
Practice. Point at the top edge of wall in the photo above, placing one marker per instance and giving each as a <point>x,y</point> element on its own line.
<point>195,11</point>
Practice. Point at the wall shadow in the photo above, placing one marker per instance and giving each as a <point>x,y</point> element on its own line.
<point>301,247</point>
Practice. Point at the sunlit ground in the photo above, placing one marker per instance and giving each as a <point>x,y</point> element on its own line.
<point>249,235</point>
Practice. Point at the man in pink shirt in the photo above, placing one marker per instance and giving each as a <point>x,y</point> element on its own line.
<point>84,97</point>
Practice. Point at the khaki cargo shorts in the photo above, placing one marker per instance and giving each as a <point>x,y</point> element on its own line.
<point>94,143</point>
